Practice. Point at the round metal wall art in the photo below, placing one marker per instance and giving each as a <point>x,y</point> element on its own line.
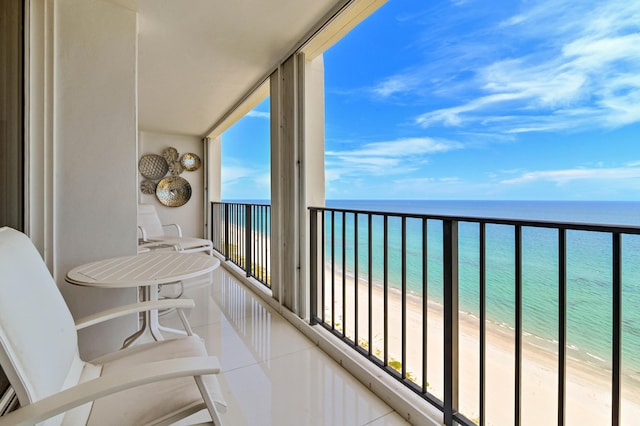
<point>173,191</point>
<point>175,168</point>
<point>190,161</point>
<point>170,154</point>
<point>152,166</point>
<point>148,187</point>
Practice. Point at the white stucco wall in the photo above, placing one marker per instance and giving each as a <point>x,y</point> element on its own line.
<point>94,113</point>
<point>190,216</point>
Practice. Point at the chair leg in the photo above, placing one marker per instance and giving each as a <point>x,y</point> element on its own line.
<point>208,400</point>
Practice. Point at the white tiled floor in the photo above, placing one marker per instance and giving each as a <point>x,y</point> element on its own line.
<point>271,373</point>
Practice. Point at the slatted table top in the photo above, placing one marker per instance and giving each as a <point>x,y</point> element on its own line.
<point>142,269</point>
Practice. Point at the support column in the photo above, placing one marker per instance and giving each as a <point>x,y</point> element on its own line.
<point>312,183</point>
<point>212,178</point>
<point>276,186</point>
<point>297,170</point>
<point>285,183</point>
<point>213,169</point>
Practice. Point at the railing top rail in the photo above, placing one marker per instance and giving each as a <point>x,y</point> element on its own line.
<point>240,203</point>
<point>577,226</point>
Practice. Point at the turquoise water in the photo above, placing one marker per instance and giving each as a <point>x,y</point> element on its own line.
<point>589,282</point>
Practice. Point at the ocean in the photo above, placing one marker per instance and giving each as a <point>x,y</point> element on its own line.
<point>589,256</point>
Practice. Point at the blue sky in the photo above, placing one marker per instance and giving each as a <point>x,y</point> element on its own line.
<point>455,99</point>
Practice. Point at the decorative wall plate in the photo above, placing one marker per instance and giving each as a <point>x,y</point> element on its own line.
<point>148,187</point>
<point>152,166</point>
<point>173,191</point>
<point>190,161</point>
<point>175,168</point>
<point>170,154</point>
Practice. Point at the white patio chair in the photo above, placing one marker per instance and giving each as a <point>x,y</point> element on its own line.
<point>155,233</point>
<point>154,383</point>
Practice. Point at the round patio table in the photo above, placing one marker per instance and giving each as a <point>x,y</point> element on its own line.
<point>145,271</point>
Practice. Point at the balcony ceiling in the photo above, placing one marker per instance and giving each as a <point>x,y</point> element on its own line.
<point>197,58</point>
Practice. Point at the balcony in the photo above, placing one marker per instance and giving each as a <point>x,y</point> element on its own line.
<point>449,346</point>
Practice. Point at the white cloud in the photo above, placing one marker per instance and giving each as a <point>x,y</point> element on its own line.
<point>400,148</point>
<point>230,173</point>
<point>263,180</point>
<point>460,2</point>
<point>245,182</point>
<point>452,116</point>
<point>397,84</point>
<point>568,175</point>
<point>587,74</point>
<point>234,174</point>
<point>389,157</point>
<point>259,114</point>
<point>514,20</point>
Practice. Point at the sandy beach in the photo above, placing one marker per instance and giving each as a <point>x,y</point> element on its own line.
<point>588,388</point>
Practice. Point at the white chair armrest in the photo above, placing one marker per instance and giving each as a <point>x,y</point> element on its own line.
<point>105,385</point>
<point>133,308</point>
<point>177,228</point>
<point>143,232</point>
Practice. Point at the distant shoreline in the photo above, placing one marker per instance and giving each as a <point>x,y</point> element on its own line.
<point>542,342</point>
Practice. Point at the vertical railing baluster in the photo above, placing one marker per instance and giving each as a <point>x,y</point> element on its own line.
<point>344,273</point>
<point>236,233</point>
<point>252,265</point>
<point>483,321</point>
<point>212,233</point>
<point>370,281</point>
<point>323,267</point>
<point>562,325</point>
<point>232,235</point>
<point>265,245</point>
<point>218,226</point>
<point>242,227</point>
<point>259,244</point>
<point>333,270</point>
<point>356,323</point>
<point>270,247</point>
<point>450,283</point>
<point>265,239</point>
<point>617,327</point>
<point>313,265</point>
<point>255,241</point>
<point>404,297</point>
<point>212,230</point>
<point>385,295</point>
<point>248,237</point>
<point>425,303</point>
<point>226,231</point>
<point>518,331</point>
<point>261,236</point>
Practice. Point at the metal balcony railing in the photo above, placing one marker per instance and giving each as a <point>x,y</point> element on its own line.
<point>377,277</point>
<point>242,233</point>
